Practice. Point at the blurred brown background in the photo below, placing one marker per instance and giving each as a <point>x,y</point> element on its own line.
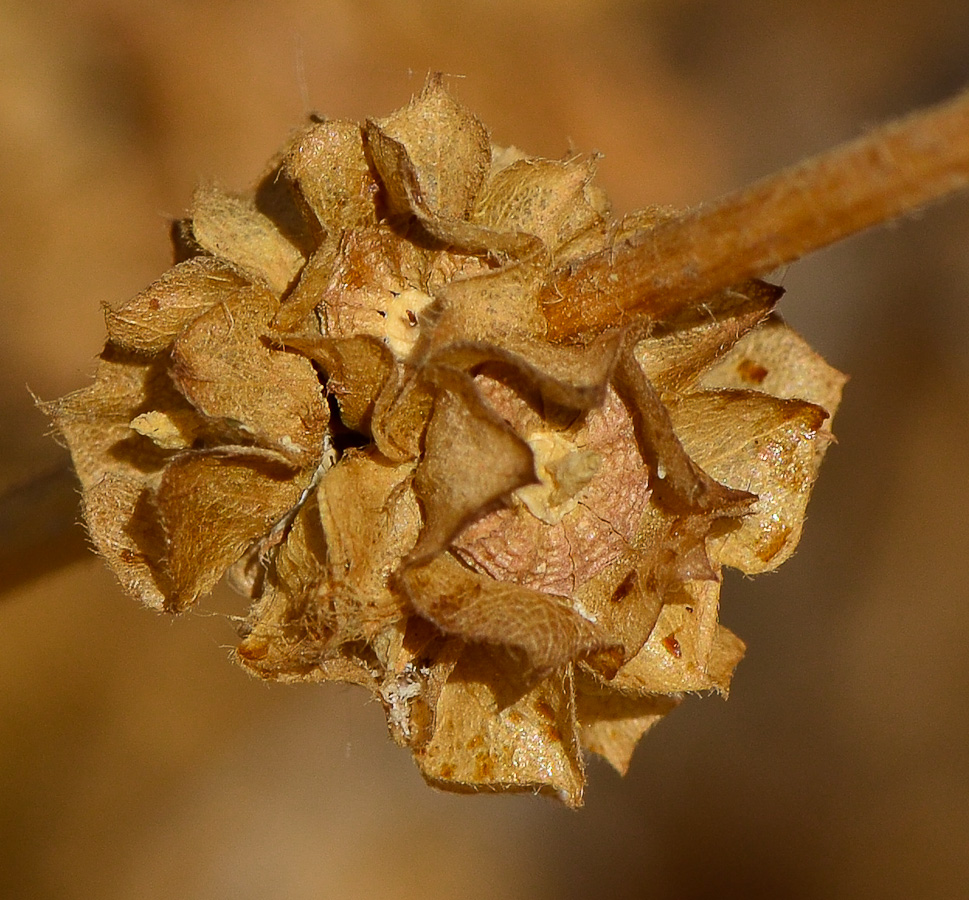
<point>135,761</point>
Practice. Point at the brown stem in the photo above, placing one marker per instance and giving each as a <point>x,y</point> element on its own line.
<point>40,527</point>
<point>892,170</point>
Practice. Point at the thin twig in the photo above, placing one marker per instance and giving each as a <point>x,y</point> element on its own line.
<point>40,528</point>
<point>893,170</point>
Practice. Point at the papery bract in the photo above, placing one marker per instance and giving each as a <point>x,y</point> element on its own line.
<point>344,393</point>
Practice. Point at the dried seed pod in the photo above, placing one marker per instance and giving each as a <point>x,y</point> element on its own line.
<point>346,394</point>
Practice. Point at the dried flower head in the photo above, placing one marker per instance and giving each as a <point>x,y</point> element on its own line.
<point>346,395</point>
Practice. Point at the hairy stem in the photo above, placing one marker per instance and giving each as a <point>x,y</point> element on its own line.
<point>890,171</point>
<point>893,170</point>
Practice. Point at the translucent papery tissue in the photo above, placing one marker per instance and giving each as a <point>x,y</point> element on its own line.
<point>343,396</point>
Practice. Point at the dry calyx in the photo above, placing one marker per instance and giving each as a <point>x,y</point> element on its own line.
<point>345,394</point>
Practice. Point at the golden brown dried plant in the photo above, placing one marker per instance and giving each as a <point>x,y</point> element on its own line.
<point>407,395</point>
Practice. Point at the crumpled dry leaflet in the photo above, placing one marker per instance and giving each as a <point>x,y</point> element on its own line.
<point>343,395</point>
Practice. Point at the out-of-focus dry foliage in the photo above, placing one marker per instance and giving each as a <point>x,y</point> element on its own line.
<point>344,392</point>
